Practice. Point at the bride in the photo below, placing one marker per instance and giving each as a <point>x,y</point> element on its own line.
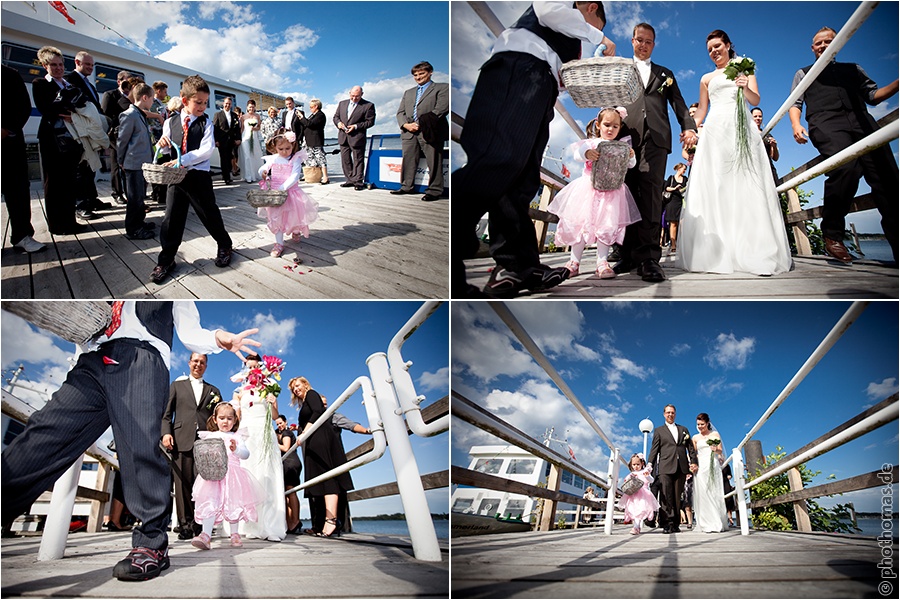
<point>732,218</point>
<point>250,151</point>
<point>264,461</point>
<point>709,494</point>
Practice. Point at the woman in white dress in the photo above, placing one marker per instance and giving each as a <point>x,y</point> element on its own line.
<point>732,218</point>
<point>709,494</point>
<point>265,458</point>
<point>251,151</point>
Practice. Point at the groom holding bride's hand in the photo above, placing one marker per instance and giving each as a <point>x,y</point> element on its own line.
<point>673,456</point>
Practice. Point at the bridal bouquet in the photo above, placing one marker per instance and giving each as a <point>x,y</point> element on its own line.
<point>734,69</point>
<point>712,442</point>
<point>262,380</point>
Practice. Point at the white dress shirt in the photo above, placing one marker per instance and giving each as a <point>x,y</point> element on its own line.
<point>197,385</point>
<point>673,430</point>
<point>643,68</point>
<point>199,158</point>
<point>558,16</point>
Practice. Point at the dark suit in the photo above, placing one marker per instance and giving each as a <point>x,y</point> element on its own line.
<point>436,101</point>
<point>671,462</point>
<point>112,104</point>
<point>651,138</point>
<point>182,419</point>
<point>86,188</point>
<point>314,129</point>
<point>226,135</point>
<point>16,110</point>
<point>353,144</point>
<point>293,121</point>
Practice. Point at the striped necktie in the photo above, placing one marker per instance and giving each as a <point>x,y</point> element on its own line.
<point>187,121</point>
<point>419,93</point>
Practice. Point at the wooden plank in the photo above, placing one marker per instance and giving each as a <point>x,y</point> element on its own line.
<point>86,493</point>
<point>850,484</point>
<point>429,482</point>
<point>462,476</point>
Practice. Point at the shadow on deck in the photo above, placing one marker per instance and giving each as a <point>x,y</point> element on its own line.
<point>589,564</point>
<point>353,566</point>
<point>366,244</point>
<point>811,278</point>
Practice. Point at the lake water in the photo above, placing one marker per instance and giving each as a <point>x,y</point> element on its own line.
<point>873,527</point>
<point>333,161</point>
<point>874,249</point>
<point>441,527</point>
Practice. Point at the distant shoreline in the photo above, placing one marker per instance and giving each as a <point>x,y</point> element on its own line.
<point>400,517</point>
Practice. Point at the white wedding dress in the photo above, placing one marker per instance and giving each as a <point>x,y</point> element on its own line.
<point>264,463</point>
<point>250,153</point>
<point>732,218</point>
<point>709,493</point>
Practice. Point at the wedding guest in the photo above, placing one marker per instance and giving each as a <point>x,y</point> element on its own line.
<point>768,140</point>
<point>134,148</point>
<point>269,125</point>
<point>837,118</point>
<point>675,186</point>
<point>291,116</point>
<point>292,468</point>
<point>314,130</point>
<point>113,103</point>
<point>160,98</point>
<point>120,381</point>
<point>728,237</point>
<point>507,128</point>
<point>16,189</point>
<point>227,128</point>
<point>353,118</point>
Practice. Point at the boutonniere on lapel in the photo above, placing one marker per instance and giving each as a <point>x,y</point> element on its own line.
<point>667,82</point>
<point>213,400</point>
<point>685,438</point>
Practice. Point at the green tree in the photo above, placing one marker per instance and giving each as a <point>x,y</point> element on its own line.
<point>780,517</point>
<point>816,240</point>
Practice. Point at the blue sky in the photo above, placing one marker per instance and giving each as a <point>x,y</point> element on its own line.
<point>305,49</point>
<point>625,361</point>
<point>327,342</point>
<point>777,36</point>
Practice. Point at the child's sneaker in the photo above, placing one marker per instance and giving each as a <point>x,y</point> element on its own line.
<point>277,251</point>
<point>201,541</point>
<point>605,272</point>
<point>573,266</point>
<point>236,540</point>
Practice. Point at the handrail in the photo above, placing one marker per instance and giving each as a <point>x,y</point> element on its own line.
<point>506,315</point>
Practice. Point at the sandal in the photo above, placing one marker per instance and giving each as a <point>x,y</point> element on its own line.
<point>236,540</point>
<point>573,266</point>
<point>336,532</point>
<point>277,251</point>
<point>604,271</point>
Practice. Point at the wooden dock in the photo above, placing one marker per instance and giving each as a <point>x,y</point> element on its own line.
<point>352,566</point>
<point>811,278</point>
<point>365,245</point>
<point>589,564</point>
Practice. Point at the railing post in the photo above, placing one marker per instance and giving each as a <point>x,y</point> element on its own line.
<point>62,503</point>
<point>409,480</point>
<point>548,511</point>
<point>739,499</point>
<point>800,238</point>
<point>801,514</point>
<point>613,480</point>
<point>98,507</point>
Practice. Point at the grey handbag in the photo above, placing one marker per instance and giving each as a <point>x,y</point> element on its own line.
<point>211,459</point>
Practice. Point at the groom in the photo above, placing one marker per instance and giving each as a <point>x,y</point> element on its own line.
<point>670,453</point>
<point>651,136</point>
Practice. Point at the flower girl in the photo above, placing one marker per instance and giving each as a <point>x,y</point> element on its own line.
<point>283,167</point>
<point>233,498</point>
<point>587,215</point>
<point>641,504</point>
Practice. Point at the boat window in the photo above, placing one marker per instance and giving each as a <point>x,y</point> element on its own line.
<point>105,76</point>
<point>567,478</point>
<point>515,509</point>
<point>521,466</point>
<point>579,482</point>
<point>13,429</point>
<point>489,465</point>
<point>463,504</point>
<point>220,100</point>
<point>24,60</point>
<point>489,506</point>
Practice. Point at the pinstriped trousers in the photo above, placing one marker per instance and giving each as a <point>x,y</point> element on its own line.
<point>131,396</point>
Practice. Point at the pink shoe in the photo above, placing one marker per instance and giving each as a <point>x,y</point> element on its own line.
<point>236,540</point>
<point>201,542</point>
<point>277,251</point>
<point>573,266</point>
<point>604,272</point>
<point>635,531</point>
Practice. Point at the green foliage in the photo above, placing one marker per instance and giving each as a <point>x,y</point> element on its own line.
<point>816,240</point>
<point>780,517</point>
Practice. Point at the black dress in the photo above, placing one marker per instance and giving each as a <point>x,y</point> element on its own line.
<point>291,464</point>
<point>676,200</point>
<point>323,451</point>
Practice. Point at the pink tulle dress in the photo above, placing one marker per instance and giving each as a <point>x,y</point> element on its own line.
<point>642,504</point>
<point>299,210</point>
<point>588,215</point>
<point>233,498</point>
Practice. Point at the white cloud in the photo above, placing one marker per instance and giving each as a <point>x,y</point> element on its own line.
<point>435,381</point>
<point>21,342</point>
<point>879,391</point>
<point>679,349</point>
<point>729,352</point>
<point>274,335</point>
<point>720,388</point>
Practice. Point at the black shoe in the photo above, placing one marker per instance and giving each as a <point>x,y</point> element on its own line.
<point>223,257</point>
<point>430,198</point>
<point>506,284</point>
<point>144,233</point>
<point>650,523</point>
<point>142,564</point>
<point>73,230</point>
<point>85,214</point>
<point>675,529</point>
<point>348,184</point>
<point>624,266</point>
<point>159,275</point>
<point>650,271</point>
<point>120,199</point>
<point>359,186</point>
<point>98,204</point>
<point>401,191</point>
<point>614,255</point>
<point>185,534</point>
<point>543,278</point>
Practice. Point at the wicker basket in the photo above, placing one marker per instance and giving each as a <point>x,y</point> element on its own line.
<point>211,459</point>
<point>608,171</point>
<point>267,197</point>
<point>602,81</point>
<point>78,322</point>
<point>632,485</point>
<point>161,175</point>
